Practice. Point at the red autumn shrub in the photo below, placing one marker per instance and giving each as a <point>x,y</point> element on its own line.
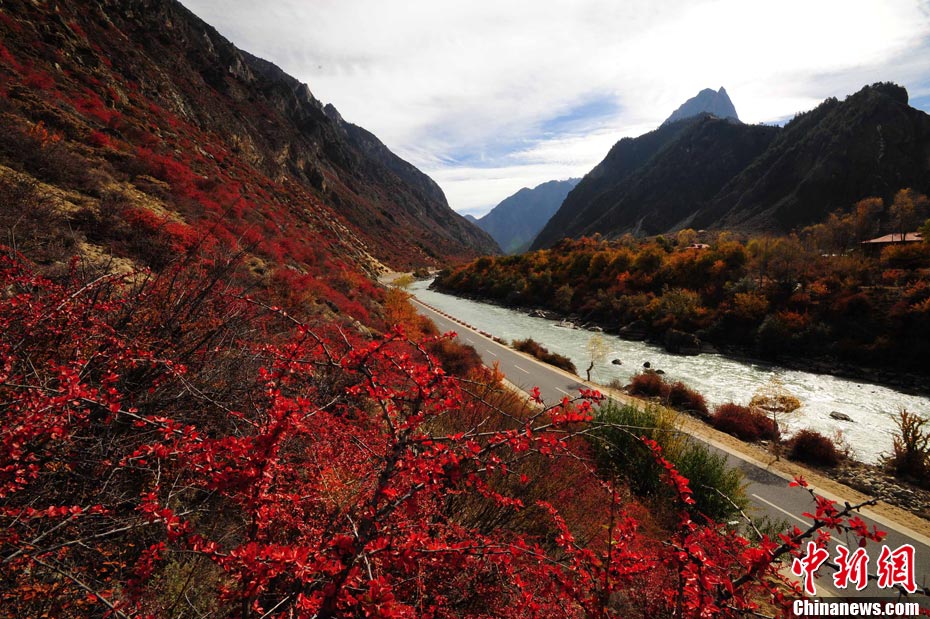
<point>168,440</point>
<point>650,385</point>
<point>813,448</point>
<point>456,358</point>
<point>684,398</point>
<point>744,423</point>
<point>99,139</point>
<point>534,348</point>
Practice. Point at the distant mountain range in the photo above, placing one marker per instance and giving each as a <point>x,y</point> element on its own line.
<point>708,172</point>
<point>516,221</point>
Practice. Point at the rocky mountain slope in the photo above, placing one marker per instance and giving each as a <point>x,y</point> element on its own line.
<point>516,221</point>
<point>707,101</point>
<point>151,80</point>
<point>705,172</point>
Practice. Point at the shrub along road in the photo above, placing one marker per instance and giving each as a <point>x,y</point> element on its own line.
<point>766,487</point>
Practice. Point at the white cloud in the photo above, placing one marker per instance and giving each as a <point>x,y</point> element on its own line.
<point>441,81</point>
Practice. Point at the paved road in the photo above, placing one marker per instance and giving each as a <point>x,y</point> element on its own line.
<point>769,492</point>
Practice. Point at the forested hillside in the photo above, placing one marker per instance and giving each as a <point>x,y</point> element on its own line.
<point>820,298</point>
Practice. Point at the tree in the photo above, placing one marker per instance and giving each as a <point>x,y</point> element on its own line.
<point>866,216</point>
<point>685,237</point>
<point>760,251</point>
<point>906,211</point>
<point>597,352</point>
<point>774,399</point>
<point>403,282</point>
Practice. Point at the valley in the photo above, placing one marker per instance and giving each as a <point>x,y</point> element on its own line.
<point>213,406</point>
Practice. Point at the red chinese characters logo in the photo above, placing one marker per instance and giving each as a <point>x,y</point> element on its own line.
<point>895,567</point>
<point>807,566</point>
<point>851,567</point>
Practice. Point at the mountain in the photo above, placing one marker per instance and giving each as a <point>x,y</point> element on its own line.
<point>153,79</point>
<point>516,221</point>
<point>705,172</point>
<point>646,185</point>
<point>705,102</point>
<point>871,144</point>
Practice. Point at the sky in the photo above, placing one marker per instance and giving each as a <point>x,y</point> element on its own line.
<point>489,96</point>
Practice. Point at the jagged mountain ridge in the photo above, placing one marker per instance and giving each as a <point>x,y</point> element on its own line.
<point>706,172</point>
<point>707,101</point>
<point>517,219</point>
<point>162,53</point>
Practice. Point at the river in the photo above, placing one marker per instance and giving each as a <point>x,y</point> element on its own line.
<point>719,378</point>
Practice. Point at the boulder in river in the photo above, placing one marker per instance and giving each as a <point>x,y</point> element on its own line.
<point>636,330</point>
<point>841,416</point>
<point>647,365</point>
<point>682,343</point>
<point>617,362</point>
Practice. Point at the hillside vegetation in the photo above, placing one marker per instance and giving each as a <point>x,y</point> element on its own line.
<point>817,296</point>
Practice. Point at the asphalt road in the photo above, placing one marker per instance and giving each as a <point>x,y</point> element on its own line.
<point>768,491</point>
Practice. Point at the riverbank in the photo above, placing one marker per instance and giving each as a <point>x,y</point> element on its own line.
<point>910,383</point>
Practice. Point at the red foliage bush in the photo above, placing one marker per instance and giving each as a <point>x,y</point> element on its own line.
<point>456,359</point>
<point>534,348</point>
<point>676,395</point>
<point>813,448</point>
<point>743,423</point>
<point>91,105</point>
<point>38,80</point>
<point>99,139</point>
<point>650,385</point>
<point>7,58</point>
<point>686,399</point>
<point>159,433</point>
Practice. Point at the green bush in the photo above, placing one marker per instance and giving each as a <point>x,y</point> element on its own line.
<point>620,451</point>
<point>716,486</point>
